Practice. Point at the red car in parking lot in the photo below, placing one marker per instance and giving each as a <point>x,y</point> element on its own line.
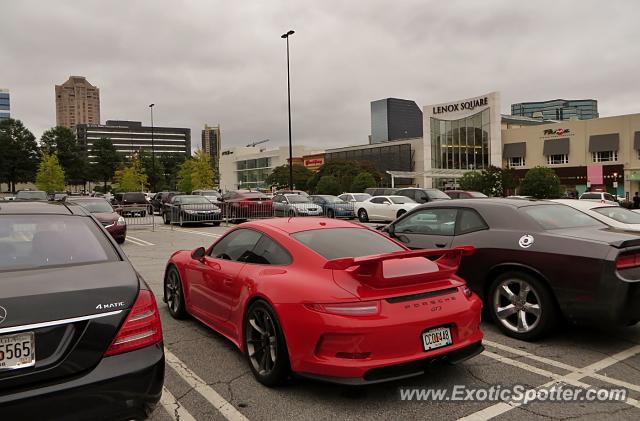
<point>327,299</point>
<point>243,204</point>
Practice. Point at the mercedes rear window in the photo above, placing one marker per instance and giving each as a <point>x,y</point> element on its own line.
<point>335,243</point>
<point>552,217</point>
<point>37,241</point>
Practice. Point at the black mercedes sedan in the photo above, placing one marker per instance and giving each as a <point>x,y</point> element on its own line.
<point>80,333</point>
<point>535,261</point>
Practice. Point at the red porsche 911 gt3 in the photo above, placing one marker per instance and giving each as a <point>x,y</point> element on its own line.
<point>327,299</point>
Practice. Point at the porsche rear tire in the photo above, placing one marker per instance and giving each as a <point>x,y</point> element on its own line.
<point>265,345</point>
<point>173,294</point>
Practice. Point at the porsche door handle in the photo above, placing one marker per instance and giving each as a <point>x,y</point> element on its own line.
<point>440,245</point>
<point>227,282</point>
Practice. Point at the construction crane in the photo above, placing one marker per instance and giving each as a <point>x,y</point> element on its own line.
<point>250,145</point>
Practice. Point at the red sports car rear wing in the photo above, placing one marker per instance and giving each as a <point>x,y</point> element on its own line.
<point>369,269</point>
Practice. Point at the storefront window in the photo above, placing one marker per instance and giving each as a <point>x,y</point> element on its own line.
<point>516,162</point>
<point>605,156</point>
<point>557,159</point>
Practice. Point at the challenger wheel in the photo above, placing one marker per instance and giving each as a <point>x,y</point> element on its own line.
<point>522,306</point>
<point>363,216</point>
<point>265,345</point>
<point>173,293</point>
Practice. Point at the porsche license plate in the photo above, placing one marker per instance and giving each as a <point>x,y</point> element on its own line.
<point>17,351</point>
<point>436,338</point>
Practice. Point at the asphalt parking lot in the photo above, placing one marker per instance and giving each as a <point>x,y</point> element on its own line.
<point>208,379</point>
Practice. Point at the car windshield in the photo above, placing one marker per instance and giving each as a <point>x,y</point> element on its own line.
<point>31,195</point>
<point>361,197</point>
<point>560,216</point>
<point>95,206</point>
<point>436,194</point>
<point>334,243</point>
<point>34,241</point>
<point>212,193</point>
<point>254,195</point>
<point>192,200</point>
<point>332,199</point>
<point>619,214</point>
<point>591,196</point>
<point>297,198</point>
<point>399,200</point>
<point>476,194</point>
<point>134,197</point>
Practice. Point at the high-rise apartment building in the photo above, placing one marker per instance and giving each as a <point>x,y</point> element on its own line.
<point>558,109</point>
<point>211,145</point>
<point>5,104</point>
<point>77,102</point>
<point>394,119</point>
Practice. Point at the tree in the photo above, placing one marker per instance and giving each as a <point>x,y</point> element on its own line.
<point>19,153</point>
<point>105,161</point>
<point>171,165</point>
<point>492,181</point>
<point>343,171</point>
<point>131,177</point>
<point>362,181</point>
<point>146,158</point>
<point>472,180</point>
<point>50,177</point>
<point>280,176</point>
<point>196,173</point>
<point>328,185</point>
<point>541,183</point>
<point>185,182</point>
<point>62,142</point>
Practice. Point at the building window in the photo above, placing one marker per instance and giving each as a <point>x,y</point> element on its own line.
<point>517,161</point>
<point>557,159</point>
<point>605,156</point>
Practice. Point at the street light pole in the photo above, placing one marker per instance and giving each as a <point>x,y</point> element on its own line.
<point>286,36</point>
<point>153,154</point>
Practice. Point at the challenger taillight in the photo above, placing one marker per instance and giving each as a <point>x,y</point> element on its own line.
<point>362,308</point>
<point>627,261</point>
<point>142,327</point>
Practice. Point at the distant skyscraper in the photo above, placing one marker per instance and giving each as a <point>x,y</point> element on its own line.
<point>211,145</point>
<point>5,104</point>
<point>77,102</point>
<point>394,119</point>
<point>558,109</point>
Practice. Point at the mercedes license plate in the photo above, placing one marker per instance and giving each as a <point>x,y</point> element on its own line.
<point>17,351</point>
<point>436,338</point>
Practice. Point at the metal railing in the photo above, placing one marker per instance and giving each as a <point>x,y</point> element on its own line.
<point>136,215</point>
<point>191,214</point>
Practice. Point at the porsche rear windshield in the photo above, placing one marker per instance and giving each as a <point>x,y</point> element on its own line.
<point>334,243</point>
<point>552,217</point>
<point>37,241</point>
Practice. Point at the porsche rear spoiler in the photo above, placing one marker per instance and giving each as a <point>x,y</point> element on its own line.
<point>370,268</point>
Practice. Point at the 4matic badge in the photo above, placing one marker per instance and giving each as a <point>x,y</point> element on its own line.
<point>3,314</point>
<point>526,241</point>
<point>118,304</point>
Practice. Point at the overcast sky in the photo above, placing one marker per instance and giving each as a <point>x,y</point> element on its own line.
<point>224,61</point>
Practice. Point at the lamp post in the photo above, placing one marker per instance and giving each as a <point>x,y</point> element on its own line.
<point>286,36</point>
<point>153,153</point>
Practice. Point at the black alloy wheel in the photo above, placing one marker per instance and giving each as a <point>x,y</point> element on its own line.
<point>173,293</point>
<point>363,216</point>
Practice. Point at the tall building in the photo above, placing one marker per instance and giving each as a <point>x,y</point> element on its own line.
<point>211,145</point>
<point>131,136</point>
<point>77,102</point>
<point>558,109</point>
<point>395,119</point>
<point>5,104</point>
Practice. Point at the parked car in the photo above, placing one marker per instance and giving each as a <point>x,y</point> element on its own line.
<point>380,191</point>
<point>334,207</point>
<point>286,191</point>
<point>189,209</point>
<point>241,205</point>
<point>295,205</point>
<point>612,215</point>
<point>212,195</point>
<point>113,222</point>
<point>32,195</point>
<point>131,204</point>
<point>82,325</point>
<point>465,194</point>
<point>354,197</point>
<point>160,198</point>
<point>384,208</point>
<point>422,195</point>
<point>535,261</point>
<point>601,197</point>
<point>327,299</point>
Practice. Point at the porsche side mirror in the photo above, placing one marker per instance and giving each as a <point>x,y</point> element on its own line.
<point>198,254</point>
<point>390,229</point>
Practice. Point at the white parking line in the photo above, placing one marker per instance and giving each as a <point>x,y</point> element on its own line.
<point>128,239</point>
<point>176,411</point>
<point>207,234</point>
<point>200,386</point>
<point>141,240</point>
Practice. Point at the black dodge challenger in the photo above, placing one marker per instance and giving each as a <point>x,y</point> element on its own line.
<point>536,261</point>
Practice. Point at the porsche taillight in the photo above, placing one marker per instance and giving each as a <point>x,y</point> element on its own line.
<point>142,327</point>
<point>627,261</point>
<point>361,308</point>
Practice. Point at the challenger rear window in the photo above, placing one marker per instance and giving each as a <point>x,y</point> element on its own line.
<point>37,241</point>
<point>552,217</point>
<point>620,214</point>
<point>335,243</point>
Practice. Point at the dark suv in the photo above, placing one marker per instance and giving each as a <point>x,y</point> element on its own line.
<point>131,204</point>
<point>158,201</point>
<point>422,195</point>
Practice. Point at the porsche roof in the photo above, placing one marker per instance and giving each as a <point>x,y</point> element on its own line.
<point>291,225</point>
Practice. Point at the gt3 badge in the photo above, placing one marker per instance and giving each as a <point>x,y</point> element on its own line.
<point>526,241</point>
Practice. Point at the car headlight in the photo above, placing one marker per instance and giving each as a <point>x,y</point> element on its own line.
<point>121,221</point>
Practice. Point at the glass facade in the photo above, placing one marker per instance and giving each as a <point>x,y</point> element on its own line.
<point>253,172</point>
<point>5,105</point>
<point>558,109</point>
<point>461,144</point>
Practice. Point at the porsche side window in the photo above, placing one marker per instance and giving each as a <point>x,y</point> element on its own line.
<point>268,252</point>
<point>236,245</point>
<point>431,222</point>
<point>470,221</point>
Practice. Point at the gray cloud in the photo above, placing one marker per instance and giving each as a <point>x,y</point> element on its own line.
<point>224,62</point>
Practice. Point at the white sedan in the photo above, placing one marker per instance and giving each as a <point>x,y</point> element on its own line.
<point>613,215</point>
<point>384,208</point>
